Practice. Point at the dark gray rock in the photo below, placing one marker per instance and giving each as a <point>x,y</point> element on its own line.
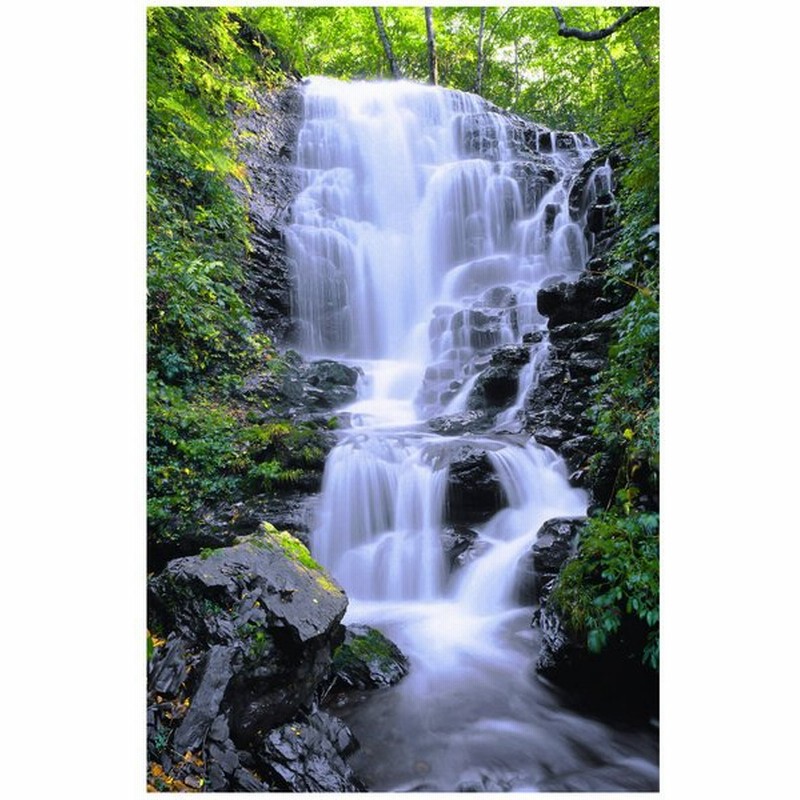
<point>473,421</point>
<point>579,301</point>
<point>555,543</point>
<point>267,136</point>
<point>329,384</point>
<point>168,667</point>
<point>306,755</point>
<point>366,659</point>
<point>497,386</point>
<point>474,492</point>
<point>558,411</point>
<point>290,511</point>
<point>245,781</point>
<point>580,192</point>
<point>217,673</point>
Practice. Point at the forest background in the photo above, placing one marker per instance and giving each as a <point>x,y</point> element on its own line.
<point>74,354</point>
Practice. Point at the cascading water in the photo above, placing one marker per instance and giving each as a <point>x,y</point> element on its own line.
<point>420,240</point>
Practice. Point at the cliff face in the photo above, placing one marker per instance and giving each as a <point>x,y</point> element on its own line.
<point>268,141</point>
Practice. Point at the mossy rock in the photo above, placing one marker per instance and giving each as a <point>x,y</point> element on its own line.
<point>368,660</point>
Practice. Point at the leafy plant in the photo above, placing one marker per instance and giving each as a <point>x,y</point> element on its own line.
<point>611,589</point>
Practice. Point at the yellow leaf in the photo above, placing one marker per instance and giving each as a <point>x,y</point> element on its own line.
<point>628,434</point>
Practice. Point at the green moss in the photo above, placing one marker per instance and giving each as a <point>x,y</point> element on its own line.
<point>292,548</point>
<point>327,585</point>
<point>372,648</point>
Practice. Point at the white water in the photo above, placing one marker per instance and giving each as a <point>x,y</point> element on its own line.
<point>420,243</point>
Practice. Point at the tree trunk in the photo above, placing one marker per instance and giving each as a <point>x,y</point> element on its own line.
<point>387,45</point>
<point>479,74</point>
<point>433,66</point>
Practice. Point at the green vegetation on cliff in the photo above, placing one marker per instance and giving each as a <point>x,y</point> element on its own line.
<point>205,445</point>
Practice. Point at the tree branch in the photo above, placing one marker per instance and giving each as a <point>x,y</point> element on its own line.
<point>593,36</point>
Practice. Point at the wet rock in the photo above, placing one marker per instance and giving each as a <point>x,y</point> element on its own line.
<point>245,781</point>
<point>476,329</point>
<point>535,178</point>
<point>478,549</point>
<point>579,193</point>
<point>307,755</point>
<point>550,437</point>
<point>457,424</point>
<point>577,452</point>
<point>532,337</point>
<point>292,511</point>
<point>482,782</point>
<point>611,681</point>
<point>477,135</point>
<point>474,492</point>
<point>555,543</point>
<point>495,389</point>
<point>497,386</point>
<point>599,216</point>
<point>366,659</point>
<point>329,384</point>
<point>457,540</point>
<point>558,409</point>
<point>584,299</point>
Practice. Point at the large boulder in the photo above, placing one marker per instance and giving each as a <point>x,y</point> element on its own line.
<point>266,617</point>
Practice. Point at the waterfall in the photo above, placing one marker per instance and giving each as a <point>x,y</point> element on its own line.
<point>424,229</point>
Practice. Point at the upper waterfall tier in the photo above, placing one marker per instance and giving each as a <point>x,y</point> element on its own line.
<point>428,221</point>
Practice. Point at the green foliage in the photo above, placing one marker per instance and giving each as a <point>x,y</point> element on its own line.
<point>201,64</point>
<point>201,451</point>
<point>204,447</point>
<point>611,590</point>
